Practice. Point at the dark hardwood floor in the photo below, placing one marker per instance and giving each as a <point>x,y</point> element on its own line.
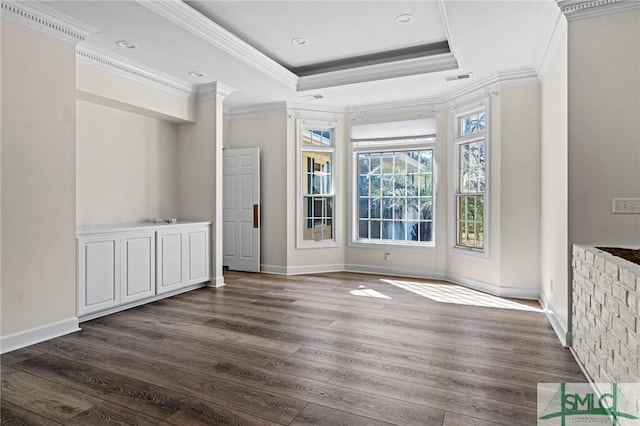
<point>326,349</point>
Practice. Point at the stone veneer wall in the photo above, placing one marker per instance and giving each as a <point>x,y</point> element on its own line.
<point>605,329</point>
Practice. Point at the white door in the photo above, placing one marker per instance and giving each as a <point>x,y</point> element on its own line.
<point>241,203</point>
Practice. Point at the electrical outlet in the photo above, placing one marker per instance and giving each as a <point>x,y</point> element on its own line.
<point>387,256</point>
<point>626,205</point>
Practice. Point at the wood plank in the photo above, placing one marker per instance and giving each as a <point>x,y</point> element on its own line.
<point>196,384</point>
<point>439,398</point>
<point>48,399</point>
<point>317,415</point>
<point>15,415</point>
<point>108,414</point>
<point>450,380</point>
<point>202,353</point>
<point>336,397</point>
<point>268,349</point>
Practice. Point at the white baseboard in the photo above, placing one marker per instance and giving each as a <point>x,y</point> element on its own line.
<point>409,273</point>
<point>563,335</point>
<point>314,269</point>
<point>216,282</point>
<point>512,292</point>
<point>273,269</point>
<point>301,270</point>
<point>29,337</point>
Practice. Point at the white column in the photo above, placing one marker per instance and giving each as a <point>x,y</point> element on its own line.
<point>200,168</point>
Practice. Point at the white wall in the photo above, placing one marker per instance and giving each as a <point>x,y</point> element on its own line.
<point>99,85</point>
<point>38,181</point>
<point>267,131</point>
<point>604,127</point>
<point>126,166</point>
<point>520,187</point>
<point>555,263</point>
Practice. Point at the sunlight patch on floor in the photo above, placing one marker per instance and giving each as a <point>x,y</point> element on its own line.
<point>449,293</point>
<point>368,292</point>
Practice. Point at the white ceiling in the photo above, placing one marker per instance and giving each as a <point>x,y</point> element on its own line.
<point>486,37</point>
<point>333,29</point>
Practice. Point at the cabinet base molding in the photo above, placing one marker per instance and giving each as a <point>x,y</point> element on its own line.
<point>95,315</point>
<point>29,337</point>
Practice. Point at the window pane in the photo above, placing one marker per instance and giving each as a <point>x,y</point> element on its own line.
<point>375,207</point>
<point>400,163</point>
<point>387,184</point>
<point>317,220</point>
<point>387,208</point>
<point>363,208</point>
<point>316,137</point>
<point>470,214</point>
<point>363,164</point>
<point>375,229</point>
<point>363,185</point>
<point>387,162</point>
<point>363,229</point>
<point>375,163</point>
<point>316,172</point>
<point>396,180</point>
<point>387,230</point>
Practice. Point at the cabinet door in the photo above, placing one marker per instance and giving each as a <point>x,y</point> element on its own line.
<point>98,272</point>
<point>170,269</point>
<point>198,255</point>
<point>138,266</point>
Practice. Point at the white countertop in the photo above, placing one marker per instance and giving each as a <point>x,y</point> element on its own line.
<point>137,226</point>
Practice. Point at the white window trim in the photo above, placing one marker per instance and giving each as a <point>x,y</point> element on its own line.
<point>334,126</point>
<point>455,140</point>
<point>353,215</point>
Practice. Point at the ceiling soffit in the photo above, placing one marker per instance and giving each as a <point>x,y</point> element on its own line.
<point>421,59</point>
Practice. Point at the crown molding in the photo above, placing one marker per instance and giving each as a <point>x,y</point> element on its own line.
<point>213,90</point>
<point>582,9</point>
<point>42,18</point>
<point>410,105</point>
<point>441,62</point>
<point>516,77</point>
<point>301,107</point>
<point>199,25</point>
<point>125,68</point>
<point>284,106</point>
<point>554,26</point>
<point>280,106</point>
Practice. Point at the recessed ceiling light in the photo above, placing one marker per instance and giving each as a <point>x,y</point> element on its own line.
<point>196,74</point>
<point>405,18</point>
<point>299,41</point>
<point>127,44</point>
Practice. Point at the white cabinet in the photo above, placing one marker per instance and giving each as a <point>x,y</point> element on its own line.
<point>198,270</point>
<point>138,266</point>
<point>99,272</point>
<point>171,260</point>
<point>183,257</point>
<point>120,266</point>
